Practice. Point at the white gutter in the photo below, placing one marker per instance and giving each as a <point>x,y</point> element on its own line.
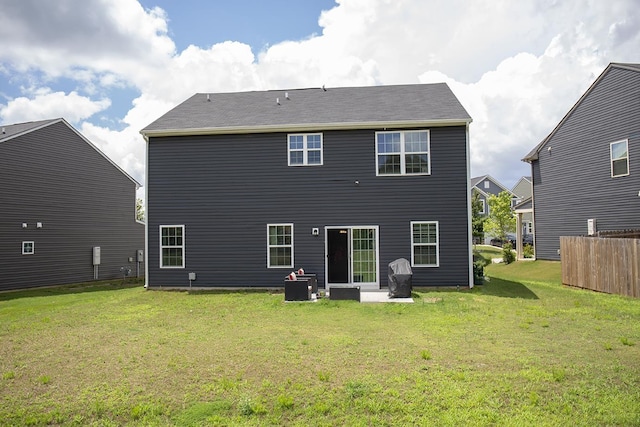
<point>302,127</point>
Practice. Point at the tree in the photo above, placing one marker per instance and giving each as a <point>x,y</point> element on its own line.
<point>501,218</point>
<point>477,218</point>
<point>139,210</point>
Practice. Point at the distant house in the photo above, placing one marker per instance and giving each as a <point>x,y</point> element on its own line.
<point>486,186</point>
<point>586,172</point>
<point>243,188</point>
<point>523,189</point>
<point>60,198</point>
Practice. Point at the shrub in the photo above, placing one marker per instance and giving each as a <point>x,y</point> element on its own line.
<point>478,272</point>
<point>507,253</point>
<point>527,251</point>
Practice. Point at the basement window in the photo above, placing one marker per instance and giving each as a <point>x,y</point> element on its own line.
<point>28,248</point>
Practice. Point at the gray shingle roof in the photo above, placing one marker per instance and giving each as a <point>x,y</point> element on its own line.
<point>10,131</point>
<point>477,179</point>
<point>315,108</point>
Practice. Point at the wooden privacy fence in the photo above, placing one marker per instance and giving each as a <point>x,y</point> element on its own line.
<point>610,265</point>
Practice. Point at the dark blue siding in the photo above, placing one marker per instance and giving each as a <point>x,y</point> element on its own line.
<point>572,181</point>
<point>226,189</point>
<point>53,176</point>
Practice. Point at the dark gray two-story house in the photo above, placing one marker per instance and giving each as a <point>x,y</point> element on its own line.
<point>243,188</point>
<point>67,212</point>
<point>586,172</point>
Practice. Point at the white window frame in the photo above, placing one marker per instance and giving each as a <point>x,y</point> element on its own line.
<point>24,247</point>
<point>611,159</point>
<point>487,184</point>
<point>436,244</point>
<point>269,246</point>
<point>403,153</point>
<point>182,246</point>
<point>305,149</point>
<point>484,206</point>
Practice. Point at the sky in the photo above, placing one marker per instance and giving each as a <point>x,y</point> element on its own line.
<point>111,67</point>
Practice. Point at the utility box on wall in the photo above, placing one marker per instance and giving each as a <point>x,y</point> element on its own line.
<point>591,227</point>
<point>96,255</point>
<point>140,255</point>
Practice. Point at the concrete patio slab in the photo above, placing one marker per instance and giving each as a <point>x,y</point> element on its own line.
<point>381,296</point>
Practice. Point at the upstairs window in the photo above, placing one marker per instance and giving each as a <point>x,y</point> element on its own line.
<point>619,158</point>
<point>483,206</point>
<point>305,149</point>
<point>172,246</point>
<point>403,153</point>
<point>279,245</point>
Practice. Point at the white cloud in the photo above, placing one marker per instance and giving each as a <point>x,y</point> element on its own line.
<point>45,104</point>
<point>90,37</point>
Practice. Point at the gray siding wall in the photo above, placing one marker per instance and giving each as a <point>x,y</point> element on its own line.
<point>493,188</point>
<point>53,176</point>
<point>523,189</point>
<point>573,183</point>
<point>226,189</point>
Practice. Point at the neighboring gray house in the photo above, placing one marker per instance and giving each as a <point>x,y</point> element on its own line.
<point>486,186</point>
<point>523,189</point>
<point>586,173</point>
<point>60,197</point>
<point>243,188</point>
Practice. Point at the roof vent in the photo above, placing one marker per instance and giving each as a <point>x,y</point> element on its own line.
<point>323,88</point>
<point>286,95</point>
<point>4,130</point>
<point>278,101</point>
<point>208,98</point>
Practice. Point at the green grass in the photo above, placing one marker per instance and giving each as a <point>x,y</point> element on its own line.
<point>519,350</point>
<point>487,252</point>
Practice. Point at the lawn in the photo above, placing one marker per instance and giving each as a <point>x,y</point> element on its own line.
<point>519,350</point>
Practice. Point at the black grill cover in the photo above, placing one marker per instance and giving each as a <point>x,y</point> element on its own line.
<point>400,278</point>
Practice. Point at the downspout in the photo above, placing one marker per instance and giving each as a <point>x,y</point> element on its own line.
<point>469,210</point>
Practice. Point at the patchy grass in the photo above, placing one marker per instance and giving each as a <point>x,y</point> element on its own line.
<point>519,350</point>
